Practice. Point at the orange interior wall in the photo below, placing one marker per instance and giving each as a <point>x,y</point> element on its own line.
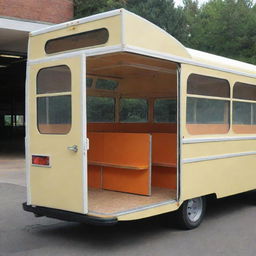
<point>164,177</point>
<point>94,176</point>
<point>164,148</point>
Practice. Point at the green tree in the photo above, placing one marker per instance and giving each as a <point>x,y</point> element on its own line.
<point>160,12</point>
<point>226,28</point>
<point>85,8</point>
<point>163,13</point>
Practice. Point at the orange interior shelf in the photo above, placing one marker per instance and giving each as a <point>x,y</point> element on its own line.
<point>120,155</point>
<point>124,161</point>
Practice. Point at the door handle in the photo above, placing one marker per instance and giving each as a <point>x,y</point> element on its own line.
<point>73,148</point>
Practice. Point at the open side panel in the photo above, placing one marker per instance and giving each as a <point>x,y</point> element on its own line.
<point>132,129</point>
<point>56,150</point>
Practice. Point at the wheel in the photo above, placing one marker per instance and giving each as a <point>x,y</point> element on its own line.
<point>191,213</point>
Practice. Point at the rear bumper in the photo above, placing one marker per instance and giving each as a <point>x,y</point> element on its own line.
<point>69,216</point>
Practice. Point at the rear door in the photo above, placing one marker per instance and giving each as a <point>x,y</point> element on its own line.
<point>56,135</point>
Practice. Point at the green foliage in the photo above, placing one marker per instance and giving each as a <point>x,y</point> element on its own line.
<point>226,28</point>
<point>222,27</point>
<point>133,110</point>
<point>100,109</point>
<point>85,8</point>
<point>163,13</point>
<point>165,111</point>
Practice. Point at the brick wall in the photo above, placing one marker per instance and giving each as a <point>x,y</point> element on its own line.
<point>54,11</point>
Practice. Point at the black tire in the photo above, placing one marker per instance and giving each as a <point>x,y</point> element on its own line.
<point>191,213</point>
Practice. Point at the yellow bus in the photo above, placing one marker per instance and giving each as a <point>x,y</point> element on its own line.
<point>123,122</point>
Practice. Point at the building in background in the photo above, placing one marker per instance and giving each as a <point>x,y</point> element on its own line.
<point>17,19</point>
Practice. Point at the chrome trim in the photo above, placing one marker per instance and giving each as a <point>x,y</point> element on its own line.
<point>27,127</point>
<point>84,132</point>
<point>179,134</point>
<point>216,157</point>
<point>216,139</point>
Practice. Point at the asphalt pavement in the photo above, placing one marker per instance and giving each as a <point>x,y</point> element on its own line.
<point>229,229</point>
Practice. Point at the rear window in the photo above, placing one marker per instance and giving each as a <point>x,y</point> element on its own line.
<point>106,84</point>
<point>54,79</point>
<point>133,110</point>
<point>165,111</point>
<point>100,109</point>
<point>54,112</point>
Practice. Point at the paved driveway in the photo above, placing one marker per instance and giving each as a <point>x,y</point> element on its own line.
<point>229,229</point>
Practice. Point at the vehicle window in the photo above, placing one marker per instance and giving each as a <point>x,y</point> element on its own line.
<point>100,109</point>
<point>207,116</point>
<point>54,79</point>
<point>133,110</point>
<point>244,109</point>
<point>244,91</point>
<point>208,86</point>
<point>106,84</point>
<point>76,41</point>
<point>54,114</point>
<point>89,81</point>
<point>165,111</point>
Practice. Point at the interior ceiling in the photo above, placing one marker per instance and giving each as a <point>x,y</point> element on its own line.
<point>13,40</point>
<point>14,43</point>
<point>119,65</point>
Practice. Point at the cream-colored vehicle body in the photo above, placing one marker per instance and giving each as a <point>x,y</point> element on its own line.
<point>207,164</point>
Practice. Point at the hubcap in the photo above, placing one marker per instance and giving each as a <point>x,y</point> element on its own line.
<point>194,209</point>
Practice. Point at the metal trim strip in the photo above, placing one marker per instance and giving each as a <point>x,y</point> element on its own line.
<point>182,60</point>
<point>216,157</point>
<point>87,52</point>
<point>84,131</point>
<point>216,139</point>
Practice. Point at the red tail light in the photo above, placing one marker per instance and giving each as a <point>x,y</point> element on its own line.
<point>41,160</point>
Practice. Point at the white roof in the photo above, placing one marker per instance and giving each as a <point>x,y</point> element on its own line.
<point>220,61</point>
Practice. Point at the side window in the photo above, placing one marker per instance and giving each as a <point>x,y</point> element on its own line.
<point>100,109</point>
<point>209,113</point>
<point>106,84</point>
<point>165,111</point>
<point>133,110</point>
<point>54,112</point>
<point>76,41</point>
<point>244,108</point>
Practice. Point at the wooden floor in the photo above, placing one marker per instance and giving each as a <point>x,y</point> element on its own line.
<point>111,202</point>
